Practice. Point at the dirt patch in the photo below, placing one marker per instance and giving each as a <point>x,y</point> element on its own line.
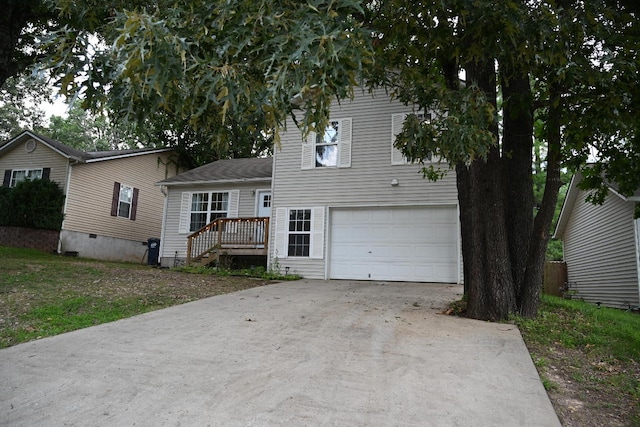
<point>584,390</point>
<point>31,286</point>
<point>180,286</point>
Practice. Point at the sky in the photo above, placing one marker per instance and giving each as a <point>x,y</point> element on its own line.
<point>56,108</point>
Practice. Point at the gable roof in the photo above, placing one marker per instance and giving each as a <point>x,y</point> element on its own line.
<point>572,197</point>
<point>79,155</point>
<point>228,170</point>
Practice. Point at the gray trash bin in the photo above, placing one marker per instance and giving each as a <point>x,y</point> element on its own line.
<point>153,244</point>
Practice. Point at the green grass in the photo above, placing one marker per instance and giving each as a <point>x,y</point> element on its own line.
<point>257,272</point>
<point>43,294</point>
<point>575,324</point>
<point>596,349</point>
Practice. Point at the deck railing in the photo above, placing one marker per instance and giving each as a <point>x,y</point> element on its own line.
<point>228,234</point>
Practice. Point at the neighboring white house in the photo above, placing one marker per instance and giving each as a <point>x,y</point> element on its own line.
<point>111,204</point>
<point>346,204</point>
<point>601,247</point>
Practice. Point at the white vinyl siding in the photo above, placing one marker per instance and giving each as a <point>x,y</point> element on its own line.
<point>343,146</point>
<point>397,120</point>
<point>367,183</point>
<point>600,252</point>
<point>242,203</point>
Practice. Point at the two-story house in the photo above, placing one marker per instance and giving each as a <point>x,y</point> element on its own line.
<point>344,204</point>
<point>347,204</point>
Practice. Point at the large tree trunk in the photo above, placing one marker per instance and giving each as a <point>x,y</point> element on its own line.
<point>517,148</point>
<point>529,297</point>
<point>503,246</point>
<point>484,231</point>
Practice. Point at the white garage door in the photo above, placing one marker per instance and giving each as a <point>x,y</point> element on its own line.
<point>404,244</point>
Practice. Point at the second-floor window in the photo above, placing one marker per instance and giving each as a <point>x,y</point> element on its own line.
<point>327,145</point>
<point>331,148</point>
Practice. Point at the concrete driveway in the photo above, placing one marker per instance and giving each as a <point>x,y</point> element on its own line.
<point>306,353</point>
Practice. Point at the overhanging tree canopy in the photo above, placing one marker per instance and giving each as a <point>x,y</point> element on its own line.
<point>487,69</point>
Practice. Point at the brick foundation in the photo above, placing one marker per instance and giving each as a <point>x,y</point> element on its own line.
<point>19,237</point>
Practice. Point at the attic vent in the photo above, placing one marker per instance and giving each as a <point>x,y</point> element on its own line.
<point>30,145</point>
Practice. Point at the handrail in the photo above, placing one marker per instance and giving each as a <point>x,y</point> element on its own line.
<point>228,233</point>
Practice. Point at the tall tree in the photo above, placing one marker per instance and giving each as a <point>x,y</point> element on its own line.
<point>20,105</point>
<point>571,63</point>
<point>22,24</point>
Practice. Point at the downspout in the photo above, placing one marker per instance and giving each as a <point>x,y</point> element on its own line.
<point>165,192</point>
<point>66,202</point>
<point>459,271</point>
<point>272,230</point>
<point>636,228</point>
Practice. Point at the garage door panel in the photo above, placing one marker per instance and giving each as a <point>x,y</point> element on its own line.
<point>407,244</point>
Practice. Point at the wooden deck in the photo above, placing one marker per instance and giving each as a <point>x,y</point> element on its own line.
<point>228,236</point>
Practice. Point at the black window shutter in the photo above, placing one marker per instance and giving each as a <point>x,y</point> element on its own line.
<point>45,173</point>
<point>134,204</point>
<point>7,178</point>
<point>115,199</point>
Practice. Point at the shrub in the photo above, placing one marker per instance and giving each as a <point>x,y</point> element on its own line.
<point>34,203</point>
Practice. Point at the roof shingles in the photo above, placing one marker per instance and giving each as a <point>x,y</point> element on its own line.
<point>225,170</point>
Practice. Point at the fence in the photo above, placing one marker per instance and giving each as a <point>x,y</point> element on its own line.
<point>555,277</point>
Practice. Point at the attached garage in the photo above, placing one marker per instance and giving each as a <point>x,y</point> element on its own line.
<point>409,243</point>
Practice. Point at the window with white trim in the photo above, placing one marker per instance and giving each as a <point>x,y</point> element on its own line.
<point>299,232</point>
<point>327,146</point>
<point>207,207</point>
<point>18,175</point>
<point>124,201</point>
<point>299,236</point>
<point>331,148</point>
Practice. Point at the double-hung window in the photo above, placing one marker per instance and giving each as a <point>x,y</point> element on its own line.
<point>207,207</point>
<point>330,148</point>
<point>18,175</point>
<point>124,201</point>
<point>299,239</point>
<point>13,176</point>
<point>327,145</point>
<point>299,232</point>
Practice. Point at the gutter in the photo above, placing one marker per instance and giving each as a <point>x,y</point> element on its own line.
<point>221,181</point>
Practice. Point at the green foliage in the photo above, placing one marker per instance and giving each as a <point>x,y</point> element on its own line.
<point>33,204</point>
<point>222,65</point>
<point>257,272</point>
<point>20,98</point>
<point>576,324</point>
<point>554,250</point>
<point>225,65</point>
<point>554,247</point>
